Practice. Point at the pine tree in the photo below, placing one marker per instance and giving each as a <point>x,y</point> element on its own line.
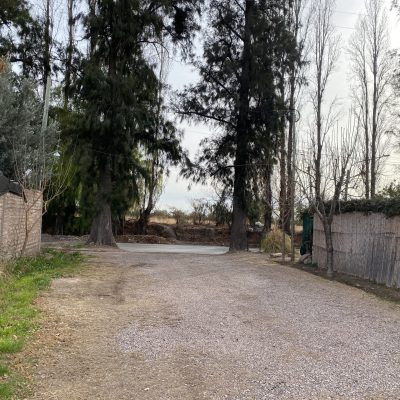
<point>238,94</point>
<point>15,24</point>
<point>13,13</point>
<point>118,91</point>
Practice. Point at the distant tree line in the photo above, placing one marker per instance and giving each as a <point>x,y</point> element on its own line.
<point>91,105</point>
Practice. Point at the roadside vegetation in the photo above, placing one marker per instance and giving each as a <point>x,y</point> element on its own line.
<point>21,281</point>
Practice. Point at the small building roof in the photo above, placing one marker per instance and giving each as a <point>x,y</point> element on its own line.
<point>9,186</point>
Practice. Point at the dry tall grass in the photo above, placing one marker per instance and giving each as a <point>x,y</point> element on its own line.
<point>273,242</point>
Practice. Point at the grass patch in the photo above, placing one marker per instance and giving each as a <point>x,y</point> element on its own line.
<point>20,285</point>
<point>6,390</point>
<point>3,370</point>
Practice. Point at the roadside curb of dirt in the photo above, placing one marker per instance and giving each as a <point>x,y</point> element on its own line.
<point>381,291</point>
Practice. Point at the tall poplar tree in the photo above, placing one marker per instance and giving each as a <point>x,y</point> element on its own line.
<point>372,77</point>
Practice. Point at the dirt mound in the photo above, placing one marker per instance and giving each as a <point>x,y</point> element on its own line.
<point>150,239</point>
<point>46,238</point>
<point>165,231</point>
<point>202,234</point>
<point>188,233</point>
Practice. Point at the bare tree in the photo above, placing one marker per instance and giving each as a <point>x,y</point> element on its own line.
<point>372,74</point>
<point>325,53</point>
<point>337,164</point>
<point>266,176</point>
<point>300,19</point>
<point>296,15</point>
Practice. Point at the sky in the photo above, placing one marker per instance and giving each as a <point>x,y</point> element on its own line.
<point>176,192</point>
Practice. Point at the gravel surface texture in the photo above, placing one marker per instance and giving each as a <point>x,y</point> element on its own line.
<point>178,326</point>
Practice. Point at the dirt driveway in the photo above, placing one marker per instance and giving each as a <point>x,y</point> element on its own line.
<point>166,326</point>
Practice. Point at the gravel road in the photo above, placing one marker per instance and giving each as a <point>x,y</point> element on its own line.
<point>178,326</point>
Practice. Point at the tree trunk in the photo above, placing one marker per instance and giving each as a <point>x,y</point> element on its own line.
<point>268,200</point>
<point>329,247</point>
<point>318,158</point>
<point>143,222</point>
<point>26,233</point>
<point>283,209</point>
<point>92,14</point>
<point>366,134</point>
<point>46,48</point>
<point>282,156</point>
<point>238,230</point>
<point>144,219</point>
<point>375,98</point>
<point>290,167</point>
<point>239,215</point>
<point>346,186</point>
<point>69,53</point>
<point>101,233</point>
<point>374,139</point>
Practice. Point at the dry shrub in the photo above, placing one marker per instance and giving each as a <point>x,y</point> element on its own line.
<point>272,243</point>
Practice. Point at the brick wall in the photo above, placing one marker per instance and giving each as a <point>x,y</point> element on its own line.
<point>20,219</point>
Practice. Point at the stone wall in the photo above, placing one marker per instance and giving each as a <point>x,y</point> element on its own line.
<point>367,246</point>
<point>20,224</point>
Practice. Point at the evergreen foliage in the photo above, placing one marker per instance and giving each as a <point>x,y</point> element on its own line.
<point>246,49</point>
<point>13,13</point>
<point>20,36</point>
<point>387,206</point>
<point>117,100</point>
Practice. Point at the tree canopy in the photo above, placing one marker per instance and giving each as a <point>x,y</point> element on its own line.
<point>247,48</point>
